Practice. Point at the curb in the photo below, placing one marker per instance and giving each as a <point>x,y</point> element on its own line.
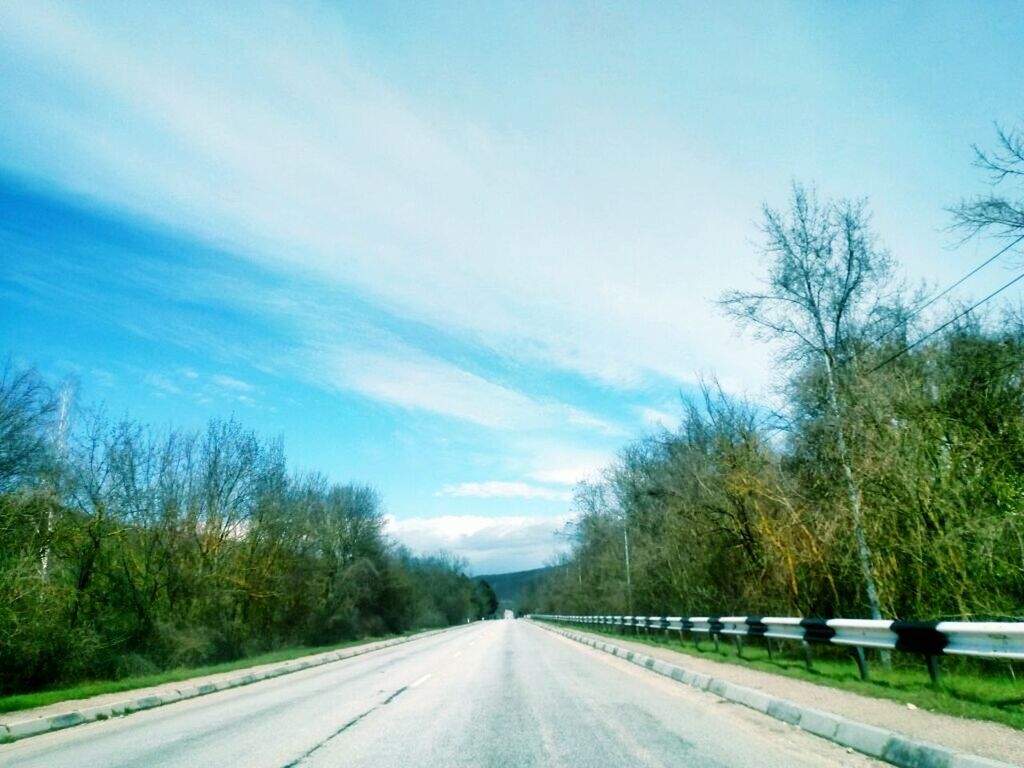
<point>880,743</point>
<point>23,729</point>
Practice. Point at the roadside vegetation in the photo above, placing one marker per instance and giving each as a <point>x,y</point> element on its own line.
<point>886,480</point>
<point>126,552</point>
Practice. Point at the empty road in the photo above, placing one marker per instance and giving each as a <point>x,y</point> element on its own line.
<point>499,693</point>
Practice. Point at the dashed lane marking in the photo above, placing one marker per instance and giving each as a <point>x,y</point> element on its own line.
<point>422,680</point>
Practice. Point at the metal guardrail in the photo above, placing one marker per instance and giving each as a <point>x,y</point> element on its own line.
<point>990,639</point>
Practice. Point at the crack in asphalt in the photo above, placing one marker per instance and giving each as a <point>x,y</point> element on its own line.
<point>345,727</point>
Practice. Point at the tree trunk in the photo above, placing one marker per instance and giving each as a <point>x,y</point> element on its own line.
<point>854,498</point>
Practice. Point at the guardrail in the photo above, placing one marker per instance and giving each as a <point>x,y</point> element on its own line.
<point>930,639</point>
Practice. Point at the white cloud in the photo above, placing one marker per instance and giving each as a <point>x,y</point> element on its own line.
<point>395,373</point>
<point>500,489</point>
<point>407,378</point>
<point>580,418</point>
<point>230,383</point>
<point>162,384</point>
<point>490,544</point>
<point>202,389</point>
<point>562,464</point>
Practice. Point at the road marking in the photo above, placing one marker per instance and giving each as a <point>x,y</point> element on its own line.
<point>422,680</point>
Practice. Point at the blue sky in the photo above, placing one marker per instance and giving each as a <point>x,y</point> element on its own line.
<point>460,251</point>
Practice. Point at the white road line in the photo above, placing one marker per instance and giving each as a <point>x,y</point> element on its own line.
<point>422,680</point>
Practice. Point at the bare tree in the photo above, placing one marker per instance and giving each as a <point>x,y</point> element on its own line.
<point>825,291</point>
<point>1001,215</point>
<point>27,410</point>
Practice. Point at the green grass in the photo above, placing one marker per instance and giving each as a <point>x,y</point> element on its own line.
<point>967,688</point>
<point>84,690</point>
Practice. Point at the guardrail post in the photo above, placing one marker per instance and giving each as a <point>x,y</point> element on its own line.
<point>933,668</point>
<point>716,638</point>
<point>739,645</point>
<point>771,652</point>
<point>808,656</point>
<point>862,662</point>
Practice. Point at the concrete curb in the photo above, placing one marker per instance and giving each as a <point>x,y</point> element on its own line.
<point>22,729</point>
<point>880,743</point>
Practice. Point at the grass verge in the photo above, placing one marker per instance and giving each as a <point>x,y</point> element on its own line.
<point>977,690</point>
<point>84,690</point>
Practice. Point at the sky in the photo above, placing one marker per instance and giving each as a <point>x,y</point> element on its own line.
<point>461,251</point>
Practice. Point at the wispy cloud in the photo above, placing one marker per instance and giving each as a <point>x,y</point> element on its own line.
<point>561,463</point>
<point>410,379</point>
<point>317,164</point>
<point>189,383</point>
<point>230,383</point>
<point>395,373</point>
<point>502,489</point>
<point>580,418</point>
<point>162,384</point>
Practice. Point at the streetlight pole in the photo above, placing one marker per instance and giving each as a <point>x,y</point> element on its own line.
<point>629,580</point>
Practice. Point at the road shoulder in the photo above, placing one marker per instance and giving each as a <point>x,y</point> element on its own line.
<point>827,710</point>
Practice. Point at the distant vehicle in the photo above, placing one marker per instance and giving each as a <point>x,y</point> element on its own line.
<point>509,614</point>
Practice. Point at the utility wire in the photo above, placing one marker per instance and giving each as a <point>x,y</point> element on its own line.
<point>959,282</point>
<point>947,323</point>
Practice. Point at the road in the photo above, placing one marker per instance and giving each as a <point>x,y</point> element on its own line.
<point>498,693</point>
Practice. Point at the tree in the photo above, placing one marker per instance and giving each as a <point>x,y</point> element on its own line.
<point>27,410</point>
<point>1001,215</point>
<point>825,293</point>
<point>160,550</point>
<point>486,599</point>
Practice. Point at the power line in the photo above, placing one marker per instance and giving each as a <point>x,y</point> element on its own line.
<point>959,282</point>
<point>947,323</point>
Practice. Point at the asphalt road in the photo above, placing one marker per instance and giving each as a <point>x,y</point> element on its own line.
<point>499,693</point>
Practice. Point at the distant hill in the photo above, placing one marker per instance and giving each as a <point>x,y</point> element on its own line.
<point>509,587</point>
